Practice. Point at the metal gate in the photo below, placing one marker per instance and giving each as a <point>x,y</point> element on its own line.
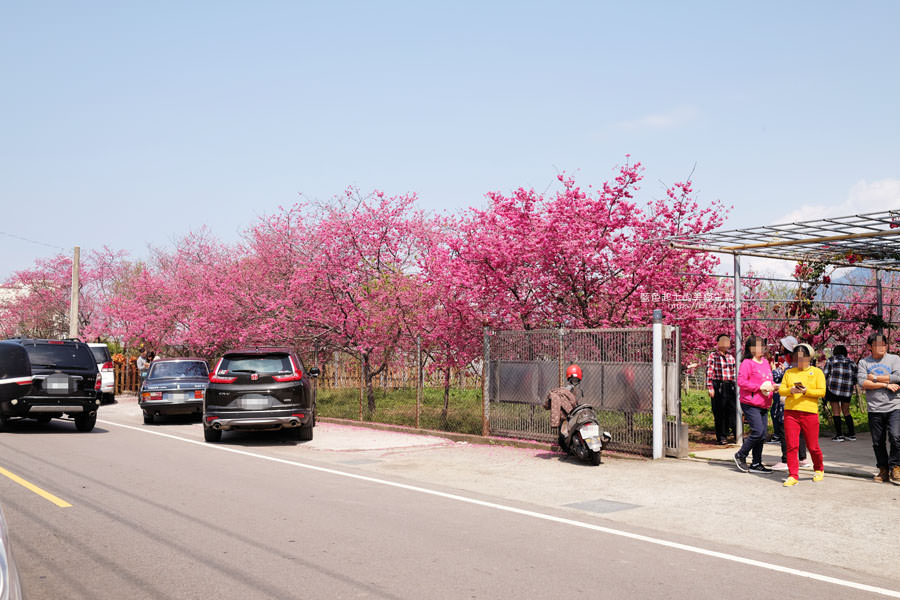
<point>522,366</point>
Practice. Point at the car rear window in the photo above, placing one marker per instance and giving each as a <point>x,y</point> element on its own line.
<point>14,361</point>
<point>179,368</point>
<point>61,356</point>
<point>256,363</point>
<point>101,354</point>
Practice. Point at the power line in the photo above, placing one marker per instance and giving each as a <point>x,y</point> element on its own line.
<point>25,239</point>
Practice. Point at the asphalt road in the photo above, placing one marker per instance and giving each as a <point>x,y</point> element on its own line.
<point>156,513</point>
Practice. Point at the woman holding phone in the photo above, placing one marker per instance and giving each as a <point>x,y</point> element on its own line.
<point>755,386</point>
<point>802,387</point>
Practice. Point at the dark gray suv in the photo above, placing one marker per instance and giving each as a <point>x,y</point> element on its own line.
<point>259,389</point>
<point>65,380</point>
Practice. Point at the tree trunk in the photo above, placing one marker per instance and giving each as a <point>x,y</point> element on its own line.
<point>369,380</point>
<point>446,407</point>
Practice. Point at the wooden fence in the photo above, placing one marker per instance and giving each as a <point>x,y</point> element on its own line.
<point>128,379</point>
<point>344,371</point>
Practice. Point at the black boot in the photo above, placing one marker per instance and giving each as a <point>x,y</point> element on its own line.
<point>851,430</point>
<point>838,434</point>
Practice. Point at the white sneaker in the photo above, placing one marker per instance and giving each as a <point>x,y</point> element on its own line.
<point>806,464</point>
<point>779,466</point>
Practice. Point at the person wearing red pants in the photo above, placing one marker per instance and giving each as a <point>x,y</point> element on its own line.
<point>802,387</point>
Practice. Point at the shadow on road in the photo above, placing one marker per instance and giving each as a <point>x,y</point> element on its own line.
<point>55,426</point>
<point>176,419</point>
<point>566,458</point>
<point>257,439</point>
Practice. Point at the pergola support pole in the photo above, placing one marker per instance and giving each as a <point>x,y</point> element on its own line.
<point>738,349</point>
<point>879,297</point>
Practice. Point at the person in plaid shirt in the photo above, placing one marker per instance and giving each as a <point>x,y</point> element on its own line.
<point>720,375</point>
<point>840,379</point>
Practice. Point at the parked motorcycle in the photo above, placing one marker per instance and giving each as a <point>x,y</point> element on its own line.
<point>579,429</point>
<point>583,438</point>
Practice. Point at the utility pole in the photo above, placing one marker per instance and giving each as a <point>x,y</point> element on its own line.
<point>73,303</point>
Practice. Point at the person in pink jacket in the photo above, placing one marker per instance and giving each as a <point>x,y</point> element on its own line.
<point>755,388</point>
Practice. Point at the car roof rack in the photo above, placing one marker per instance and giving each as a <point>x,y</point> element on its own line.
<point>247,349</point>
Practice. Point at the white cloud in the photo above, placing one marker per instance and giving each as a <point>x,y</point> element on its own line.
<point>863,197</point>
<point>666,120</point>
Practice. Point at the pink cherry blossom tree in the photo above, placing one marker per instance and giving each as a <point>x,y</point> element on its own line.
<point>585,258</point>
<point>351,273</point>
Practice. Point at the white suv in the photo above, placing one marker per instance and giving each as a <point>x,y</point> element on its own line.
<point>105,366</point>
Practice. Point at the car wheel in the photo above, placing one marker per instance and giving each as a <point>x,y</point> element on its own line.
<point>148,418</point>
<point>304,433</point>
<point>85,423</point>
<point>212,435</point>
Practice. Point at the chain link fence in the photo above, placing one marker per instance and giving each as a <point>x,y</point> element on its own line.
<point>523,366</point>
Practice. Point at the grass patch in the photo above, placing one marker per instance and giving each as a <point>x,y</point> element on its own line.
<point>398,407</point>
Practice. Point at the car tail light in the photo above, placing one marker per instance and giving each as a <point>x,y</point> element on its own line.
<point>97,382</point>
<point>296,375</point>
<point>107,365</point>
<point>152,395</point>
<point>24,381</point>
<point>210,419</point>
<point>198,394</point>
<point>216,377</point>
<point>55,342</point>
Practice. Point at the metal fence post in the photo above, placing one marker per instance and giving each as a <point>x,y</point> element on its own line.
<point>658,390</point>
<point>486,386</point>
<point>678,366</point>
<point>420,379</point>
<point>562,369</point>
<point>362,387</point>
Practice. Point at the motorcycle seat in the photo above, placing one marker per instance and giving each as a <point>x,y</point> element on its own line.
<point>578,408</point>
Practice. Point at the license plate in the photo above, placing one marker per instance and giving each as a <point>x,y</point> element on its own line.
<point>180,396</point>
<point>255,403</point>
<point>57,385</point>
<point>590,431</point>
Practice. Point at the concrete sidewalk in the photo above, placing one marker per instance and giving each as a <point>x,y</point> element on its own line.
<point>855,459</point>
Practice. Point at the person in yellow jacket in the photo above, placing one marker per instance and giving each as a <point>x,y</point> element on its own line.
<point>802,387</point>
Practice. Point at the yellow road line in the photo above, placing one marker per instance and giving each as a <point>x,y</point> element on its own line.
<point>30,486</point>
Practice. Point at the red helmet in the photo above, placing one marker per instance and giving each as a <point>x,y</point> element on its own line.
<point>574,371</point>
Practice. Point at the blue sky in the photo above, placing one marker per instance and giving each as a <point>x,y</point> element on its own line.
<point>129,124</point>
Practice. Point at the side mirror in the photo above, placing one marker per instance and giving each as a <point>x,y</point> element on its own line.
<point>314,372</point>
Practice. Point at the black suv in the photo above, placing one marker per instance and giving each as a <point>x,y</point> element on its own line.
<point>259,389</point>
<point>65,381</point>
<point>15,375</point>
